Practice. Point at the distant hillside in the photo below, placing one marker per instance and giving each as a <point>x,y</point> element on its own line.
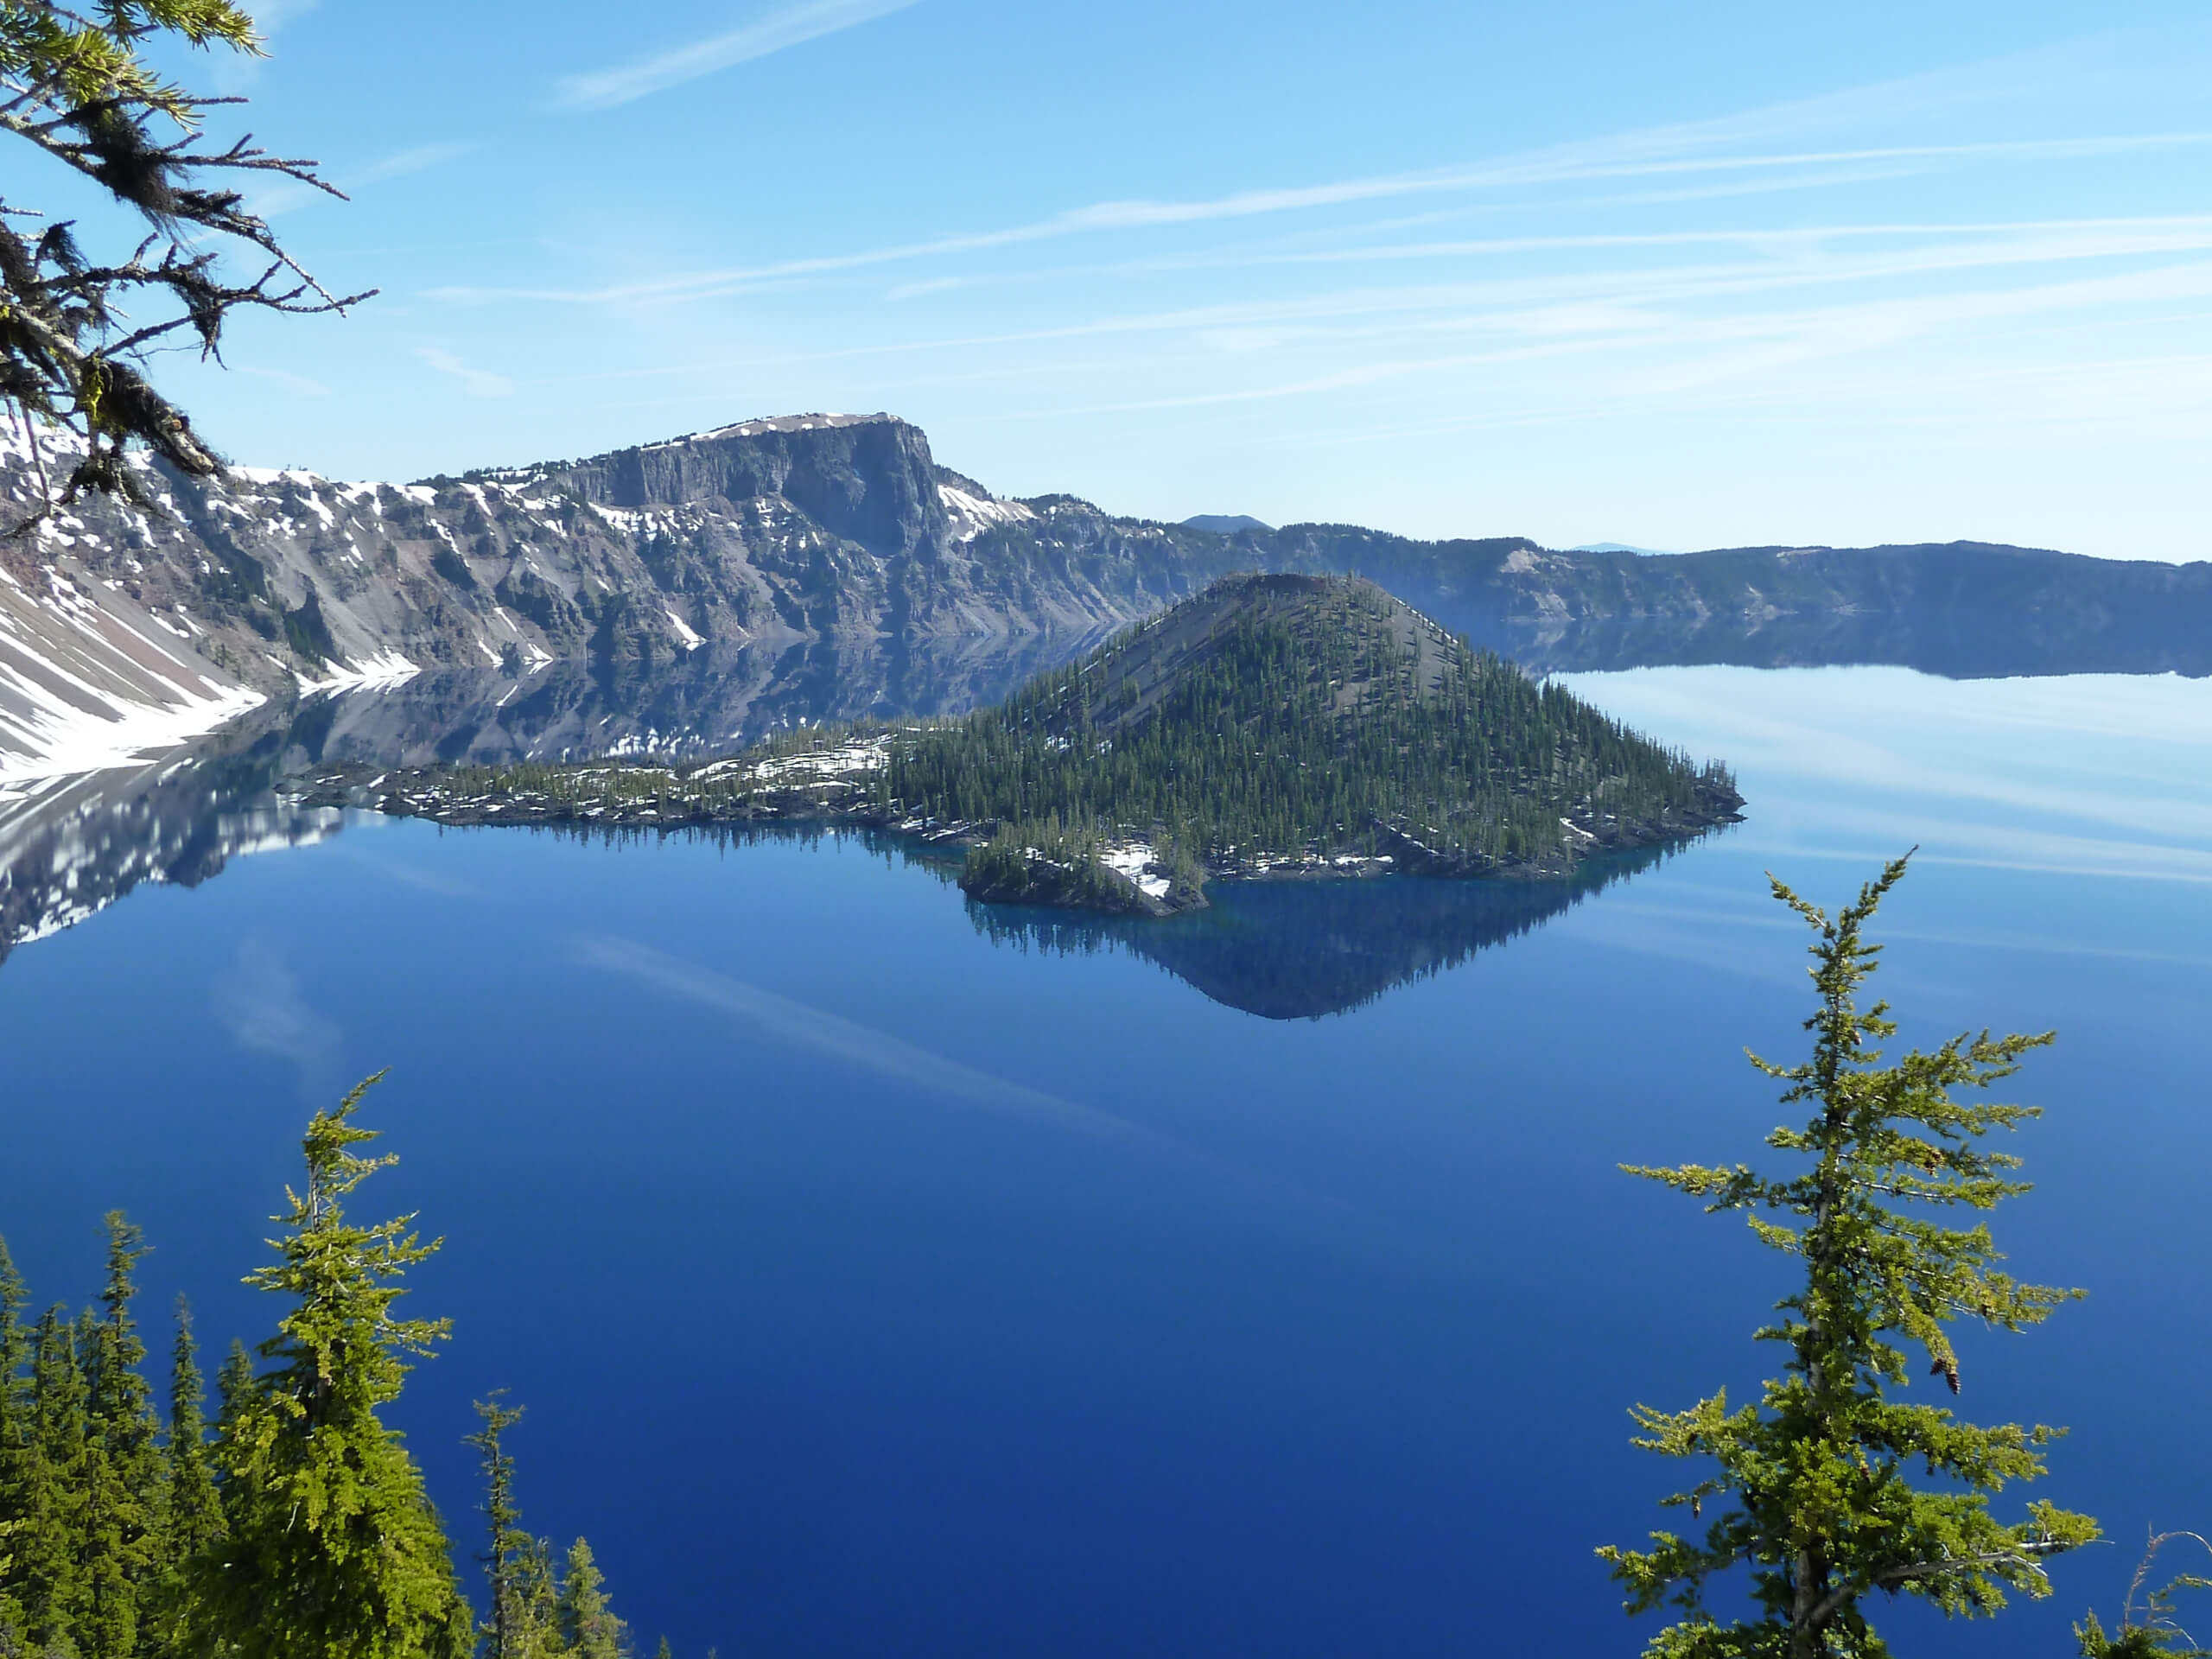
<point>121,628</point>
<point>1225,524</point>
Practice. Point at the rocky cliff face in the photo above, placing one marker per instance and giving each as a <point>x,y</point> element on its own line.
<point>833,538</point>
<point>129,625</point>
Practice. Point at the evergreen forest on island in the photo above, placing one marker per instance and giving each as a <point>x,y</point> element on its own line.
<point>1305,717</point>
<point>1264,722</point>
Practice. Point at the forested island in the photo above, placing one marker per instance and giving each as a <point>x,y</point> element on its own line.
<point>1269,726</point>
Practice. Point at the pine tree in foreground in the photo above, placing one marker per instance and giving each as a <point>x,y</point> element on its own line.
<point>510,1544</point>
<point>333,1551</point>
<point>195,1519</point>
<point>15,1440</point>
<point>589,1629</point>
<point>2149,1627</point>
<point>126,1490</point>
<point>196,1510</point>
<point>48,1524</point>
<point>1814,1484</point>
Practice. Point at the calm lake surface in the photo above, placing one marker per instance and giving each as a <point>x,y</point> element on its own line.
<point>881,1280</point>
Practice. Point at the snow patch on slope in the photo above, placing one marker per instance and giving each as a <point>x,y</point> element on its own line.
<point>58,739</point>
<point>1129,862</point>
<point>387,668</point>
<point>973,514</point>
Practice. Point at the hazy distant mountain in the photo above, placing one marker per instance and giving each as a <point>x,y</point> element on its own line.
<point>1225,524</point>
<point>121,627</point>
<point>1620,547</point>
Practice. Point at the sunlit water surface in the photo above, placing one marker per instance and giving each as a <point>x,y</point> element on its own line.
<point>879,1286</point>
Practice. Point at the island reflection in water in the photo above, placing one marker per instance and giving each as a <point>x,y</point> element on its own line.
<point>1301,950</point>
<point>1282,950</point>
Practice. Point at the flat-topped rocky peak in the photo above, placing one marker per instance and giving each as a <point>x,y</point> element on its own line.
<point>868,479</point>
<point>1345,630</point>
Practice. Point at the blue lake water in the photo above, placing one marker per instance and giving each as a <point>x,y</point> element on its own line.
<point>879,1282</point>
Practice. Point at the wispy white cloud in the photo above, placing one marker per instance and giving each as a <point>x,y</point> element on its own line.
<point>478,382</point>
<point>772,31</point>
<point>260,1003</point>
<point>270,15</point>
<point>848,1042</point>
<point>1625,157</point>
<point>233,73</point>
<point>299,383</point>
<point>288,195</point>
<point>420,159</point>
<point>851,1042</point>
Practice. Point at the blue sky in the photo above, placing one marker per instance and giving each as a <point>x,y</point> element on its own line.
<point>1681,275</point>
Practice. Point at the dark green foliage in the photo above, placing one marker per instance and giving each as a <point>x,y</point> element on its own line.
<point>509,1544</point>
<point>1045,863</point>
<point>535,1632</point>
<point>126,1490</point>
<point>1814,1486</point>
<point>589,1627</point>
<point>1341,725</point>
<point>51,1524</point>
<point>333,1550</point>
<point>234,1388</point>
<point>539,1612</point>
<point>194,1519</point>
<point>303,1531</point>
<point>16,1409</point>
<point>195,1516</point>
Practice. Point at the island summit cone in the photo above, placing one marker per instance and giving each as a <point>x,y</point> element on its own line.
<point>1278,724</point>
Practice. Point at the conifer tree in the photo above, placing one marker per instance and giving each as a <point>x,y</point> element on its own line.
<point>536,1602</point>
<point>194,1519</point>
<point>51,1536</point>
<point>1814,1484</point>
<point>15,1440</point>
<point>124,1494</point>
<point>333,1551</point>
<point>509,1544</point>
<point>234,1386</point>
<point>589,1629</point>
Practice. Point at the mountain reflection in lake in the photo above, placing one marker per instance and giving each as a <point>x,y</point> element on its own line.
<point>69,847</point>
